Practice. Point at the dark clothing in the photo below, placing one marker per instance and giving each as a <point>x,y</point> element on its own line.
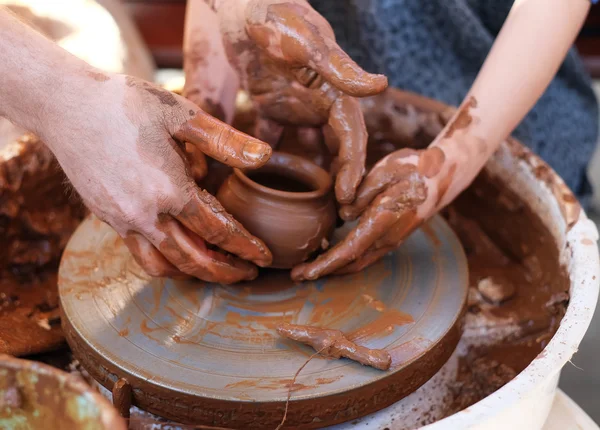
<point>437,47</point>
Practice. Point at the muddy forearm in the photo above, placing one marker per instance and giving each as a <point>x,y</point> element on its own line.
<point>524,59</point>
<point>36,75</point>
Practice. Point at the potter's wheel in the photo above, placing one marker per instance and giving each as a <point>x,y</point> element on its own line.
<point>209,354</point>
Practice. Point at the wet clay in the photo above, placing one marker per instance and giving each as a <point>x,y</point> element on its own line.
<point>241,321</point>
<point>288,204</point>
<point>37,217</point>
<point>394,123</point>
<point>333,343</point>
<point>515,282</point>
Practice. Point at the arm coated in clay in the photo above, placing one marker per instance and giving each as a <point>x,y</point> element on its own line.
<point>407,187</point>
<point>524,59</point>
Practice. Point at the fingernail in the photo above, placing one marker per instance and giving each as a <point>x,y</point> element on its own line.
<point>263,262</point>
<point>375,83</point>
<point>381,81</point>
<point>347,213</point>
<point>312,275</point>
<point>256,152</point>
<point>344,194</point>
<point>297,274</point>
<point>252,274</point>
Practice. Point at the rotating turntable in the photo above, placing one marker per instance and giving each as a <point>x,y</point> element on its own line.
<point>209,354</point>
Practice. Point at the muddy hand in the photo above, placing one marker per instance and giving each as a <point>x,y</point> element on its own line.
<point>131,170</point>
<point>288,60</point>
<point>399,193</point>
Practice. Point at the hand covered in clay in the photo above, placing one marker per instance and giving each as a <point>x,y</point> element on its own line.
<point>402,190</point>
<point>288,60</point>
<point>122,149</point>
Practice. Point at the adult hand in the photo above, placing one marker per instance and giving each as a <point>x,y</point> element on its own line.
<point>288,60</point>
<point>121,141</point>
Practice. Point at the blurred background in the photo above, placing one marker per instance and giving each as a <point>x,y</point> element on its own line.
<point>152,33</point>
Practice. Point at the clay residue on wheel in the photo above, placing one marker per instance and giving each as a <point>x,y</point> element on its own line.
<point>37,217</point>
<point>334,344</point>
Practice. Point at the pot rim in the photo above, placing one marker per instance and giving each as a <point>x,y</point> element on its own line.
<point>320,177</point>
<point>109,416</point>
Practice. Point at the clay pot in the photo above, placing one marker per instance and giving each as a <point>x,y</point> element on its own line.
<point>34,395</point>
<point>287,203</point>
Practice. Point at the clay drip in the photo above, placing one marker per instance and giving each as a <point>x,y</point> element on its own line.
<point>333,343</point>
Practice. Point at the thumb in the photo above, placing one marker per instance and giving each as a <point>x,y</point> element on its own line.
<point>223,142</point>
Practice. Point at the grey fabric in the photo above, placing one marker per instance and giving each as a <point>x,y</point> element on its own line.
<point>436,48</point>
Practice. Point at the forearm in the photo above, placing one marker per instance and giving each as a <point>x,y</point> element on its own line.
<point>525,57</point>
<point>34,73</point>
<point>211,81</point>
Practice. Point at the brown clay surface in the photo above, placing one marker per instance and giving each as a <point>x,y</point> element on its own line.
<point>288,204</point>
<point>334,344</point>
<point>37,217</point>
<point>512,255</point>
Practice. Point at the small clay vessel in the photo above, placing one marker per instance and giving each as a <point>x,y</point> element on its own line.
<point>288,203</point>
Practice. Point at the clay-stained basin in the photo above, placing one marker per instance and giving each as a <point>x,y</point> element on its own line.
<point>36,396</point>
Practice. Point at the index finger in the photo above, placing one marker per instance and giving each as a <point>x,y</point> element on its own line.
<point>222,142</point>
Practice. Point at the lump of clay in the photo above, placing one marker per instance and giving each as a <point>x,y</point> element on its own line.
<point>496,291</point>
<point>37,217</point>
<point>333,343</point>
